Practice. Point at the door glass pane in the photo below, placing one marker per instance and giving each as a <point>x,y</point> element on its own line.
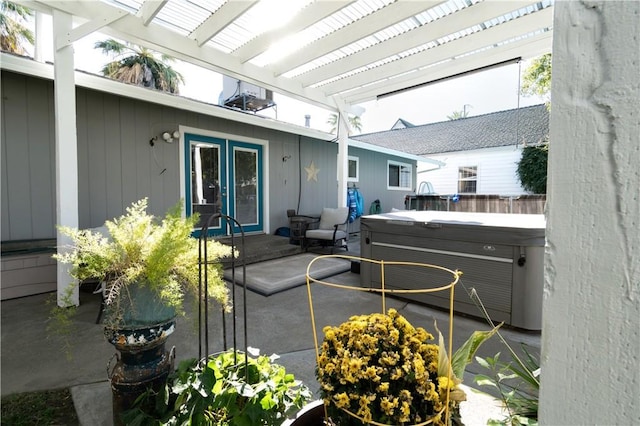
<point>205,182</point>
<point>245,176</point>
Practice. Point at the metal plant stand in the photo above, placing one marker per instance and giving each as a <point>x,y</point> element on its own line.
<point>203,299</point>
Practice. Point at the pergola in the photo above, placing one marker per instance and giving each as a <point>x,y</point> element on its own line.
<point>331,53</point>
<point>346,52</point>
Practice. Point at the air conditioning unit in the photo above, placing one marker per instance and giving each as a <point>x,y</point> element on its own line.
<point>245,96</point>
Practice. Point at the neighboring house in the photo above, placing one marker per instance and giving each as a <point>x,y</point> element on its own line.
<point>401,124</point>
<point>134,142</point>
<point>481,152</point>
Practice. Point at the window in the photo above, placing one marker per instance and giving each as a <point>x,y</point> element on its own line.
<point>399,175</point>
<point>467,179</point>
<point>354,169</point>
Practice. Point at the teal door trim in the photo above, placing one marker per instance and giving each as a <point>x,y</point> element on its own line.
<point>257,225</point>
<point>206,141</point>
<point>229,202</point>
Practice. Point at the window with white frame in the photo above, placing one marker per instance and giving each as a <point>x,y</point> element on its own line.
<point>399,175</point>
<point>468,179</point>
<point>354,169</point>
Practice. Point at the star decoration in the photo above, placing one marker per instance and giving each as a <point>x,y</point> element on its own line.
<point>312,172</point>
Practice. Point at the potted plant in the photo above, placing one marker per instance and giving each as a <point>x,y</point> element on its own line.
<point>378,369</point>
<point>146,267</point>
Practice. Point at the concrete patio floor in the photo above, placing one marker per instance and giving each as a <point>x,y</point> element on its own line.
<point>280,324</point>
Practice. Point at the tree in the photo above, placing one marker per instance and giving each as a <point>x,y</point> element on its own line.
<point>532,168</point>
<point>536,79</point>
<point>13,33</point>
<point>139,65</point>
<point>354,123</point>
<point>456,115</point>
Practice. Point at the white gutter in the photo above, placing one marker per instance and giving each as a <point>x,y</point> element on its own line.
<point>383,150</point>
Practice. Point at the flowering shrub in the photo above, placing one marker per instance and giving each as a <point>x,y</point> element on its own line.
<point>379,369</point>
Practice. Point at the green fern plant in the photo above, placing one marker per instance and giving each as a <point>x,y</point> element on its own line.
<point>141,251</point>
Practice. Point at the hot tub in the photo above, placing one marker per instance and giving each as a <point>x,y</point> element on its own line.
<point>501,257</point>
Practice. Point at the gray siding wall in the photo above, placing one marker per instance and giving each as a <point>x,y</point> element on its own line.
<point>117,165</point>
<point>373,179</point>
<point>28,158</point>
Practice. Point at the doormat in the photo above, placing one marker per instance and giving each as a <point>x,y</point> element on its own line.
<point>273,276</point>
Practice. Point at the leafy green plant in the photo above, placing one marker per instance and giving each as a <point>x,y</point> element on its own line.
<point>517,381</point>
<point>140,251</point>
<point>518,388</point>
<point>231,388</point>
<point>532,168</point>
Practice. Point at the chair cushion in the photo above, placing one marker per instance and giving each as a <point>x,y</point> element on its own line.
<point>324,234</point>
<point>331,217</point>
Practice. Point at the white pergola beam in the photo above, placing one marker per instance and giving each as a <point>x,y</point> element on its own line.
<point>130,28</point>
<point>308,16</point>
<point>218,21</point>
<point>466,18</point>
<point>461,46</point>
<point>370,24</point>
<point>63,40</point>
<point>524,49</point>
<point>150,9</point>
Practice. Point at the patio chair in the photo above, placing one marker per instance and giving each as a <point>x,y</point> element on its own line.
<point>331,229</point>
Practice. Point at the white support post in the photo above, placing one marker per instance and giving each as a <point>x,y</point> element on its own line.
<point>66,149</point>
<point>343,158</point>
<point>38,51</point>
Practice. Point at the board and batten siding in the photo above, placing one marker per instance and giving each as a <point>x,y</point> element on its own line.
<point>28,158</point>
<point>117,165</point>
<point>496,170</point>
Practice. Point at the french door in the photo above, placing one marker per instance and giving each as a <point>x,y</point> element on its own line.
<point>226,176</point>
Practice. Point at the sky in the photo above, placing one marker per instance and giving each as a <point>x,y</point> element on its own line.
<point>480,93</point>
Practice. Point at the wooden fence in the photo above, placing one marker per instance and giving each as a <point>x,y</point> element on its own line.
<point>527,204</point>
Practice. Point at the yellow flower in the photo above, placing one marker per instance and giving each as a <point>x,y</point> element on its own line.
<point>405,410</point>
<point>387,405</point>
<point>372,374</point>
<point>341,399</point>
<point>396,374</point>
<point>329,367</point>
<point>383,387</point>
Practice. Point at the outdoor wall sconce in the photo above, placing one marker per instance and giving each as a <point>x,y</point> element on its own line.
<point>168,137</point>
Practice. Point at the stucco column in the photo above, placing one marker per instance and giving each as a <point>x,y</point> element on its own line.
<point>591,309</point>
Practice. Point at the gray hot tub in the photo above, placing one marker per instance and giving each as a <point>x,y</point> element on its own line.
<point>500,255</point>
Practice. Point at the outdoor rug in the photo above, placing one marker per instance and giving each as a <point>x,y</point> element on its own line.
<point>273,276</point>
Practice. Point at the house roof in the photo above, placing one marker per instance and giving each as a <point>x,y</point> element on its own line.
<point>401,124</point>
<point>529,125</point>
<point>334,54</point>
